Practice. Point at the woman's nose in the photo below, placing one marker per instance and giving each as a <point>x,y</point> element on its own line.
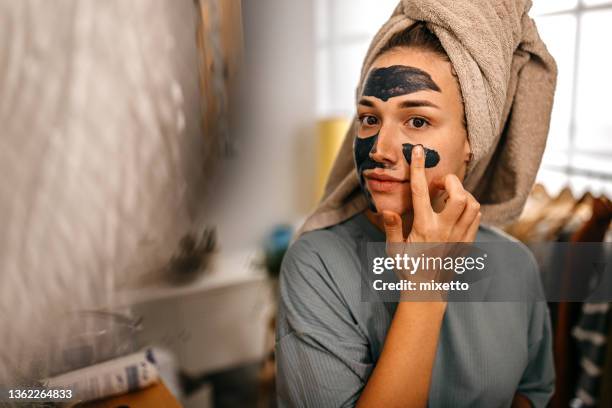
<point>385,149</point>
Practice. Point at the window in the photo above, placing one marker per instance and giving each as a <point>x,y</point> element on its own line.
<point>579,148</point>
<point>344,30</point>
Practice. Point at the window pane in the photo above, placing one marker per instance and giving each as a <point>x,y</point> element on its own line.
<point>593,115</point>
<point>592,161</point>
<point>559,35</point>
<point>360,17</point>
<point>346,67</point>
<point>321,20</point>
<point>595,2</point>
<point>549,6</point>
<point>582,177</point>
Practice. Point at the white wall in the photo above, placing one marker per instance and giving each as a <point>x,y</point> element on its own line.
<point>272,178</point>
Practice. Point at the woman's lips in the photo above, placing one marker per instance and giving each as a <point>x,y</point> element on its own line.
<point>383,183</point>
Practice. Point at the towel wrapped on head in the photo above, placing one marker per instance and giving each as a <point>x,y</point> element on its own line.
<point>507,79</point>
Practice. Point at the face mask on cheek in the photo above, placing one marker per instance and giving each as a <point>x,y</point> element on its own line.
<point>432,158</point>
<point>362,148</point>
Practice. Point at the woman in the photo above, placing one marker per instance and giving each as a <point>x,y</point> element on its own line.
<point>435,151</point>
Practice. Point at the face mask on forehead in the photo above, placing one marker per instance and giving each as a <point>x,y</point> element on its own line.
<point>385,83</point>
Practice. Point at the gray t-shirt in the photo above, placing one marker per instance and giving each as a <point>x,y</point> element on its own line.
<point>328,340</point>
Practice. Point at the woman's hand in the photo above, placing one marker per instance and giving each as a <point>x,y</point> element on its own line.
<point>457,222</point>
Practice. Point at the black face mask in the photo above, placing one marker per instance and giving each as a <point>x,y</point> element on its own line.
<point>363,161</point>
<point>362,148</point>
<point>397,80</point>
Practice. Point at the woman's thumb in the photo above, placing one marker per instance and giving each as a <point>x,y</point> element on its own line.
<point>393,226</point>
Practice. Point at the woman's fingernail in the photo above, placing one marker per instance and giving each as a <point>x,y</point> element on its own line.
<point>418,151</point>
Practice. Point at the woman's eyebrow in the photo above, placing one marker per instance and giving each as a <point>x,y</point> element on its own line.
<point>416,104</point>
<point>404,104</point>
<point>367,103</point>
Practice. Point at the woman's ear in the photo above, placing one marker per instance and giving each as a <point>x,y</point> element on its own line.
<point>467,152</point>
<point>467,158</point>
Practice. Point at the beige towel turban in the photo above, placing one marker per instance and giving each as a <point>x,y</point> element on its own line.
<point>507,80</point>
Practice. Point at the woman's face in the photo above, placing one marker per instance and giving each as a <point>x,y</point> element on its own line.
<point>410,97</point>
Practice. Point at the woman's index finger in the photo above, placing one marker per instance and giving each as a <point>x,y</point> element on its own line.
<point>418,184</point>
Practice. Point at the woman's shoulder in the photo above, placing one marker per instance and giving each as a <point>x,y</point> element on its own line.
<point>331,253</point>
<point>340,237</point>
<point>490,233</point>
<point>501,240</point>
<point>320,267</point>
<point>512,256</point>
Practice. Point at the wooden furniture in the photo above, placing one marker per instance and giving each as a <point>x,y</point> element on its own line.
<point>151,397</point>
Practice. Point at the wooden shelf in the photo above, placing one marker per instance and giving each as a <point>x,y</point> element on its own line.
<point>151,397</point>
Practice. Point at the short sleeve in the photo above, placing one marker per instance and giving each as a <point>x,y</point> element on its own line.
<point>323,357</point>
<point>537,382</point>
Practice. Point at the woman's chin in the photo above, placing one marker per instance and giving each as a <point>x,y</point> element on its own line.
<point>393,205</point>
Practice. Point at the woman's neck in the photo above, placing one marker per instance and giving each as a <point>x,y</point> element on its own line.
<point>377,219</point>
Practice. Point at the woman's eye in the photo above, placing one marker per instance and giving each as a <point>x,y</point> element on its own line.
<point>369,120</point>
<point>418,122</point>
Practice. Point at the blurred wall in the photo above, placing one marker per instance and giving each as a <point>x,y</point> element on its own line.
<point>101,152</point>
<point>271,179</point>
